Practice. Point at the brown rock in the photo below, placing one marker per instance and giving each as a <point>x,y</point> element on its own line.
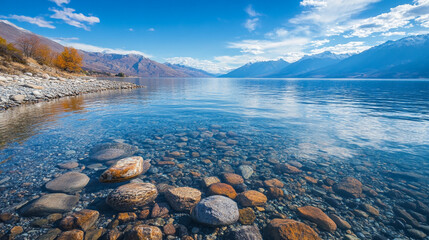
<point>273,183</point>
<point>310,179</point>
<point>349,187</point>
<point>288,229</point>
<point>317,216</point>
<point>143,214</point>
<point>160,210</point>
<point>183,198</point>
<point>54,217</point>
<point>287,168</point>
<point>247,216</point>
<point>71,235</point>
<point>222,189</point>
<point>207,181</point>
<point>112,235</point>
<point>232,178</point>
<point>123,170</point>
<point>6,217</point>
<point>126,217</point>
<point>251,198</point>
<point>144,232</point>
<point>16,230</point>
<point>169,229</point>
<point>94,234</point>
<point>50,235</point>
<point>370,209</point>
<point>341,223</point>
<point>84,219</point>
<point>275,193</point>
<point>68,165</point>
<point>195,154</point>
<point>162,163</point>
<point>131,196</point>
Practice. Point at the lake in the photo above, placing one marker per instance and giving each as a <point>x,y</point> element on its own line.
<point>312,135</point>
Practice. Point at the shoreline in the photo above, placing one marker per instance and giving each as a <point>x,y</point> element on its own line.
<point>17,90</point>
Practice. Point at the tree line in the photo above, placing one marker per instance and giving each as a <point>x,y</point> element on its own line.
<point>31,47</point>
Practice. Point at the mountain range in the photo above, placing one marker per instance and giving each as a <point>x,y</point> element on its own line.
<point>129,64</point>
<point>404,58</point>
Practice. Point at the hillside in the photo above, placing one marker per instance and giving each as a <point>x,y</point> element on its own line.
<point>130,64</point>
<point>191,72</point>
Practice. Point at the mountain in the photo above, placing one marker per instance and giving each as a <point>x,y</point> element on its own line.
<point>257,69</point>
<point>405,58</point>
<point>309,63</point>
<point>129,64</point>
<point>191,72</point>
<point>12,33</point>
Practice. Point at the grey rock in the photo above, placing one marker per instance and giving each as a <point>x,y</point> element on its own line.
<point>244,233</point>
<point>17,98</point>
<point>68,182</point>
<point>50,203</point>
<point>246,171</point>
<point>216,211</point>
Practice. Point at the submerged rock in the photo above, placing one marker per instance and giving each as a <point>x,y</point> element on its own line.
<point>112,151</point>
<point>232,178</point>
<point>144,232</point>
<point>84,220</point>
<point>183,198</point>
<point>222,189</point>
<point>68,182</point>
<point>244,233</point>
<point>288,229</point>
<point>251,198</point>
<point>246,171</point>
<point>50,203</point>
<point>131,196</point>
<point>317,216</point>
<point>349,187</point>
<point>123,170</point>
<point>216,211</point>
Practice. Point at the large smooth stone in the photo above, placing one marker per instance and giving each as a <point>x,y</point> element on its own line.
<point>317,216</point>
<point>251,198</point>
<point>244,233</point>
<point>283,229</point>
<point>349,187</point>
<point>125,169</point>
<point>50,203</point>
<point>216,210</point>
<point>183,198</point>
<point>131,196</point>
<point>68,182</point>
<point>112,151</point>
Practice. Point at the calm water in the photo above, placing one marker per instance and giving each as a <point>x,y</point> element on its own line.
<point>359,128</point>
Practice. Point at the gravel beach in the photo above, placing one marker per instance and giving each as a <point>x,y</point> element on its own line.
<point>28,88</point>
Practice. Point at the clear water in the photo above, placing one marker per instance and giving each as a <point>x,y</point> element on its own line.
<point>344,123</point>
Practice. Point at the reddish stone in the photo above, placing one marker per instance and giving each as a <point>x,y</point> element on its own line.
<point>222,189</point>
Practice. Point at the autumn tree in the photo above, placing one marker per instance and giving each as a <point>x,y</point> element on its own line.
<point>9,52</point>
<point>44,55</point>
<point>69,60</point>
<point>28,45</point>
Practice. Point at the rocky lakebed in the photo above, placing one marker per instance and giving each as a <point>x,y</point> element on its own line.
<point>208,183</point>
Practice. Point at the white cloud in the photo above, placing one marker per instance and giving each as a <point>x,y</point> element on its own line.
<point>401,16</point>
<point>151,29</point>
<point>33,20</point>
<point>131,29</point>
<point>250,24</point>
<point>74,19</point>
<point>347,48</point>
<point>269,46</point>
<point>92,48</point>
<point>318,43</point>
<point>279,32</point>
<point>251,12</point>
<point>60,2</point>
<point>388,34</point>
<point>206,65</point>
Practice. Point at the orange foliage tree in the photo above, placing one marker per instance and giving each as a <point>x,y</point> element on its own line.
<point>43,54</point>
<point>69,60</point>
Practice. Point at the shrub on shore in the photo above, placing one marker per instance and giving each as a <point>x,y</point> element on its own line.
<point>10,53</point>
<point>69,60</point>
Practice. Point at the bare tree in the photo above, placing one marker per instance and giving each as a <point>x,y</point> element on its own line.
<point>28,45</point>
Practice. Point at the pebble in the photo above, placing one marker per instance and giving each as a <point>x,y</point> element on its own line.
<point>216,210</point>
<point>317,216</point>
<point>131,196</point>
<point>123,170</point>
<point>251,198</point>
<point>183,198</point>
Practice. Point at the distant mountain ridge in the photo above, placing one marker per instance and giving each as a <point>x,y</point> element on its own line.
<point>257,69</point>
<point>404,58</point>
<point>190,71</point>
<point>129,64</point>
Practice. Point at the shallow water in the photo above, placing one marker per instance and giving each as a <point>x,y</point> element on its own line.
<point>335,128</point>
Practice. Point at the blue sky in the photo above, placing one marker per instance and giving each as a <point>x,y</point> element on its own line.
<point>220,35</point>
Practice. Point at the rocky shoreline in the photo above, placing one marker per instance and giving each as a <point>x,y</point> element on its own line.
<point>16,90</point>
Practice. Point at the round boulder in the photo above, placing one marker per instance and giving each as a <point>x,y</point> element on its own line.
<point>112,151</point>
<point>183,198</point>
<point>216,210</point>
<point>131,196</point>
<point>50,203</point>
<point>123,170</point>
<point>68,182</point>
